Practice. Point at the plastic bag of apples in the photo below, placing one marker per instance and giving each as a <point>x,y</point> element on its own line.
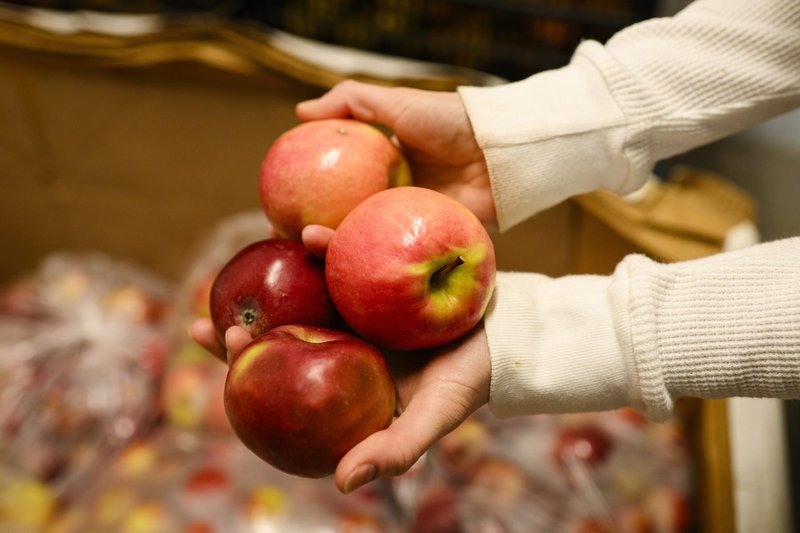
<point>191,473</point>
<point>191,395</point>
<point>83,343</point>
<point>175,480</point>
<point>590,473</point>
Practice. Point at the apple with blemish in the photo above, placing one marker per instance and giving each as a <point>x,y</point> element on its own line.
<point>300,397</point>
<point>411,268</point>
<point>271,283</point>
<point>318,171</point>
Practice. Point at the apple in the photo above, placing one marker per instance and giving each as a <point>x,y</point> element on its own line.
<point>586,445</point>
<point>498,484</point>
<point>300,397</point>
<point>410,268</point>
<point>271,283</point>
<point>464,448</point>
<point>438,512</point>
<point>317,172</point>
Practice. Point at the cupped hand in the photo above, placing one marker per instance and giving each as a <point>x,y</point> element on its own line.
<point>431,127</point>
<point>436,391</point>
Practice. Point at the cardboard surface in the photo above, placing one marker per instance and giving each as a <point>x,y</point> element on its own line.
<point>132,162</point>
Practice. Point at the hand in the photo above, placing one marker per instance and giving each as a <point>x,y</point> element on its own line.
<point>431,127</point>
<point>436,392</point>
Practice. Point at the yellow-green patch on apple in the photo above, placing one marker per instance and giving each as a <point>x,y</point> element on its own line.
<point>410,268</point>
<point>450,279</point>
<point>245,359</point>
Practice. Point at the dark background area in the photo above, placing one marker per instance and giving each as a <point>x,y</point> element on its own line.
<point>509,38</point>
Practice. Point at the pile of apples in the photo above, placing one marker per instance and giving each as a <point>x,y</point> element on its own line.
<point>407,269</point>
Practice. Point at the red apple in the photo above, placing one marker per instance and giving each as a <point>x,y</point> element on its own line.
<point>587,445</point>
<point>300,397</point>
<point>317,172</point>
<point>410,268</point>
<point>271,283</point>
<point>438,512</point>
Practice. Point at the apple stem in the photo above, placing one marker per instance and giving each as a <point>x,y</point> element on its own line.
<point>441,274</point>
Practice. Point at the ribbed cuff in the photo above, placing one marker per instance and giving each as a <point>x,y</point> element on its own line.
<point>554,347</point>
<point>554,135</point>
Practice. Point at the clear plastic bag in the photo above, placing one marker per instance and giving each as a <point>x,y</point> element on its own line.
<point>83,343</point>
<point>596,472</point>
<point>192,393</point>
<point>176,481</point>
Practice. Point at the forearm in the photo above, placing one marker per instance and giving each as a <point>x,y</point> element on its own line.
<point>723,326</point>
<point>655,89</point>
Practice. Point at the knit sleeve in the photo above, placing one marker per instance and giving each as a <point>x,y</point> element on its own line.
<point>717,327</point>
<point>722,326</point>
<point>656,89</point>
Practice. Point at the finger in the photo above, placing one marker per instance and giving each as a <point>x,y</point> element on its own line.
<point>352,99</point>
<point>316,239</point>
<point>393,451</point>
<point>236,339</point>
<point>204,334</point>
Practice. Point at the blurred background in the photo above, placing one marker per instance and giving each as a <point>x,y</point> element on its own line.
<point>131,133</point>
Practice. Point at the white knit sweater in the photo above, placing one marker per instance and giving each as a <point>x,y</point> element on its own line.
<point>723,326</point>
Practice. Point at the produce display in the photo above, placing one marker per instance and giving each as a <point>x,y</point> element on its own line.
<point>192,396</point>
<point>84,343</point>
<point>609,472</point>
<point>175,482</point>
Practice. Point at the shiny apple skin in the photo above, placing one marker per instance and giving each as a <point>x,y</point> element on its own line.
<point>270,283</point>
<point>318,171</point>
<point>300,397</point>
<point>381,260</point>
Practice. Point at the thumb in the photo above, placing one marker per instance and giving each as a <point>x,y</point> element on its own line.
<point>394,450</point>
<point>236,338</point>
<point>352,99</point>
<point>316,239</point>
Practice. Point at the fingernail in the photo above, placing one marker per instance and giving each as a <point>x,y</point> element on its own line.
<point>361,475</point>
